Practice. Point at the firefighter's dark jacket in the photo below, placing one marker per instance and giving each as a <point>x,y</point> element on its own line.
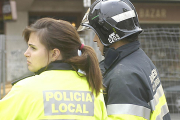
<point>57,93</point>
<point>133,87</point>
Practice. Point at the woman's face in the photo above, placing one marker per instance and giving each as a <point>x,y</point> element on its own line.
<point>36,54</point>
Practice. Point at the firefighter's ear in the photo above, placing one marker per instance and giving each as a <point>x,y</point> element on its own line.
<point>55,54</point>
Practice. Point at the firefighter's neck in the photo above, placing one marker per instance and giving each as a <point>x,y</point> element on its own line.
<point>118,44</point>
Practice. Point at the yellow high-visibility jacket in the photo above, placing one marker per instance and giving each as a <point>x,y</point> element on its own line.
<point>53,94</point>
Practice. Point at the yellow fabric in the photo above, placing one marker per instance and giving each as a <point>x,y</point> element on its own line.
<point>157,111</point>
<point>125,117</point>
<point>25,100</point>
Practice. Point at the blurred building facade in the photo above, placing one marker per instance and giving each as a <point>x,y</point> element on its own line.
<point>152,14</point>
<point>159,19</point>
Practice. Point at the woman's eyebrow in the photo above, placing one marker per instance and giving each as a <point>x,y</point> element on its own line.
<point>31,45</point>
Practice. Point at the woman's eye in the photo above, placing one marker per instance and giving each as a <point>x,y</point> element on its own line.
<point>33,48</point>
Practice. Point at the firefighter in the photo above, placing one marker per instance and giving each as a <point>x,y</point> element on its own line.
<point>133,88</point>
<point>57,90</point>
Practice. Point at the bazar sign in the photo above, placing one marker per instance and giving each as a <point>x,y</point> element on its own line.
<point>151,12</point>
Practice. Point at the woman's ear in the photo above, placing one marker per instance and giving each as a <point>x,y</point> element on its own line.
<point>55,54</point>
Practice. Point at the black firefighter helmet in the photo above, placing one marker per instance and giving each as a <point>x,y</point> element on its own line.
<point>111,20</point>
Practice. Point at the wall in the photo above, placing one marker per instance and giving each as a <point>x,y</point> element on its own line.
<point>16,46</point>
<point>57,6</point>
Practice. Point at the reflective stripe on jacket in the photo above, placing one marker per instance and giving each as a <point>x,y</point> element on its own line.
<point>53,94</point>
<point>133,87</point>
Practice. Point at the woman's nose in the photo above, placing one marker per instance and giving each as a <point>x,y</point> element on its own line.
<point>26,54</point>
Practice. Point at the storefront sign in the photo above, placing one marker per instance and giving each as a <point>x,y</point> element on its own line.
<point>9,10</point>
<point>158,13</point>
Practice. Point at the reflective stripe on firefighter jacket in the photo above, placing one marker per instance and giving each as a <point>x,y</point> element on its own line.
<point>53,94</point>
<point>133,87</point>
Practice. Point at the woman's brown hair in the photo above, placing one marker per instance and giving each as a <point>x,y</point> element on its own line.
<point>63,36</point>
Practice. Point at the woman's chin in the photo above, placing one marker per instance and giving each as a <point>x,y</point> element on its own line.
<point>31,69</point>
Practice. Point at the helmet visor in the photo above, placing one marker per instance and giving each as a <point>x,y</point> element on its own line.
<point>85,22</point>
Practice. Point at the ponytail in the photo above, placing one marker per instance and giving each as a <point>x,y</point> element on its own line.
<point>88,63</point>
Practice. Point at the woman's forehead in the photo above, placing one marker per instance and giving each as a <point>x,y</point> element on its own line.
<point>34,39</point>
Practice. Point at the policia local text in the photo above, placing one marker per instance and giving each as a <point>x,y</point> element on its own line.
<point>61,102</point>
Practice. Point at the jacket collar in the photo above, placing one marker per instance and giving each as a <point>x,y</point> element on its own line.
<point>56,65</point>
<point>114,55</point>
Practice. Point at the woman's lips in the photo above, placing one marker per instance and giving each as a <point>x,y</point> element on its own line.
<point>28,62</point>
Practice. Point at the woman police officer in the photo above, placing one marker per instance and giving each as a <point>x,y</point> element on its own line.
<point>58,90</point>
